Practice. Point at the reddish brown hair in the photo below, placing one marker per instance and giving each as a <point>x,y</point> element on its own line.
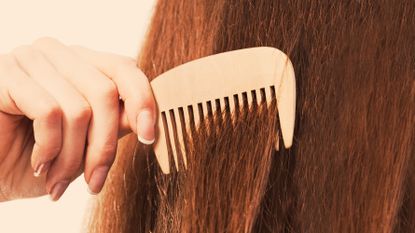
<point>351,166</point>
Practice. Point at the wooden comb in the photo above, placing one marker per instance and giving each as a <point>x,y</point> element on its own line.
<point>214,78</point>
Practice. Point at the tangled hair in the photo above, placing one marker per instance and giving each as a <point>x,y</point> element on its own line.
<point>351,168</point>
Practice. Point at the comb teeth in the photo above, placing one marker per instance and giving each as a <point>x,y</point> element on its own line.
<point>175,127</point>
<point>232,81</point>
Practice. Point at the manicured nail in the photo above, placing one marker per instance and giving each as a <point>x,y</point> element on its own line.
<point>42,169</point>
<point>58,189</point>
<point>98,179</point>
<point>145,127</point>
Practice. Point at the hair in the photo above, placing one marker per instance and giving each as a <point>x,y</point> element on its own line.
<point>351,168</point>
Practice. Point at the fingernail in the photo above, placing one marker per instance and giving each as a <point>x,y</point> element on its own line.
<point>41,169</point>
<point>98,179</point>
<point>145,127</point>
<point>58,189</point>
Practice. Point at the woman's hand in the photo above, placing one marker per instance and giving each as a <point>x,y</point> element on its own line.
<point>60,115</point>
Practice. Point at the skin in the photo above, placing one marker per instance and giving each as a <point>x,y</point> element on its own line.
<point>62,110</point>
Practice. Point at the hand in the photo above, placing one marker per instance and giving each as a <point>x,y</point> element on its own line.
<point>60,115</point>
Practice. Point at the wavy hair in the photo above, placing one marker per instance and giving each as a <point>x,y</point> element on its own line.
<point>351,168</point>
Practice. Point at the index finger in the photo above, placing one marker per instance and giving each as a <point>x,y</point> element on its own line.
<point>24,96</point>
<point>133,86</point>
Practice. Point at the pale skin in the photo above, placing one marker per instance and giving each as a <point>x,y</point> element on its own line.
<point>61,115</point>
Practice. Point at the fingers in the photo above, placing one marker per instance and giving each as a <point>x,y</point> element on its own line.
<point>30,99</point>
<point>77,104</point>
<point>124,125</point>
<point>76,116</point>
<point>102,95</point>
<point>133,86</point>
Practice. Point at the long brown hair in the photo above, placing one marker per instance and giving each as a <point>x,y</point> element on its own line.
<point>351,168</point>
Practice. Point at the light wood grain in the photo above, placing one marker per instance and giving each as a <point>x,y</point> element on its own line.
<point>218,76</point>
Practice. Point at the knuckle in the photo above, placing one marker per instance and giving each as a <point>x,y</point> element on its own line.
<point>127,61</point>
<point>123,64</point>
<point>81,114</point>
<point>109,90</point>
<point>27,52</point>
<point>46,40</point>
<point>51,111</point>
<point>148,101</point>
<point>145,99</point>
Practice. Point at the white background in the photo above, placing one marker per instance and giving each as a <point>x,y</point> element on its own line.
<point>113,26</point>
